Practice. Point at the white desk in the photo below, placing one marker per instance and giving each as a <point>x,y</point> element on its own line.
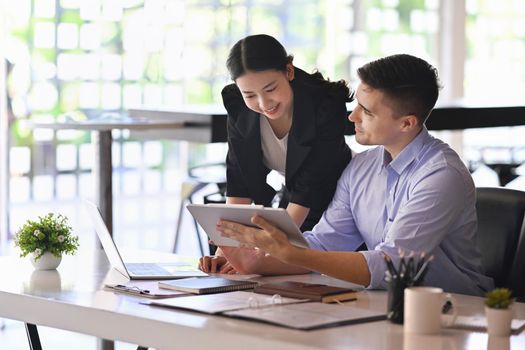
<point>71,299</point>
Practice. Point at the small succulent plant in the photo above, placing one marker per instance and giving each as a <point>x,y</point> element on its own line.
<point>499,298</point>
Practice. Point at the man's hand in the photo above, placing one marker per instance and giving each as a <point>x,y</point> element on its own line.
<point>216,264</point>
<point>267,237</point>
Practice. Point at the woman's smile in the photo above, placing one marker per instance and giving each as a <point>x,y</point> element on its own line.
<point>272,110</point>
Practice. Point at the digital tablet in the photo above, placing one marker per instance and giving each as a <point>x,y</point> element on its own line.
<point>207,215</point>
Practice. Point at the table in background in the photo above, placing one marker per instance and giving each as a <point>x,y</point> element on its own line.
<point>71,299</point>
<point>101,138</point>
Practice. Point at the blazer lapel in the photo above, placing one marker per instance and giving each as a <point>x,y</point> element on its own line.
<point>301,133</point>
<point>248,149</point>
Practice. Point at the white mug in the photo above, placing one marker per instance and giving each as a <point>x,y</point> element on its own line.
<point>422,313</point>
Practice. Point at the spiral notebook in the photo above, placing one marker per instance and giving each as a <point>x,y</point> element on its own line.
<point>207,285</point>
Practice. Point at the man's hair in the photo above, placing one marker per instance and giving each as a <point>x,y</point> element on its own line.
<point>412,84</point>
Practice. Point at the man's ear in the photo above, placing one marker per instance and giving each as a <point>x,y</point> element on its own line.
<point>410,122</point>
<point>290,71</point>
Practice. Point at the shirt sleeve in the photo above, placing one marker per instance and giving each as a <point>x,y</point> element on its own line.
<point>315,183</point>
<point>431,210</point>
<point>337,231</point>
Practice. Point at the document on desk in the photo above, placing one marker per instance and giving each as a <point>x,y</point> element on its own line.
<point>287,312</point>
<point>307,316</point>
<point>218,303</point>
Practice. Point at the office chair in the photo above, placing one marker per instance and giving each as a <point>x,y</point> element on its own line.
<point>200,177</point>
<point>501,237</point>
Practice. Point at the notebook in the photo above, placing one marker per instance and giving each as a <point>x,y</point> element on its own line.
<point>136,271</point>
<point>207,285</point>
<point>310,291</point>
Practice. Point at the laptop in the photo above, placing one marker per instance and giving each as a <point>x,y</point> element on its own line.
<point>137,271</point>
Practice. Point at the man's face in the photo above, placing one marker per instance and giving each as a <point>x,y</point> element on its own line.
<point>267,92</point>
<point>375,120</point>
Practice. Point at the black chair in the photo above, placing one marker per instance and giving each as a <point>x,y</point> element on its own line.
<point>501,237</point>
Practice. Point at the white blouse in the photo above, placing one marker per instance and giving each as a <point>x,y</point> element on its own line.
<point>273,148</point>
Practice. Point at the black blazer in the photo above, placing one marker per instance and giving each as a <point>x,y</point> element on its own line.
<point>316,155</point>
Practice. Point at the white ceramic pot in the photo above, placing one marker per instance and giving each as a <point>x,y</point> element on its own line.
<point>45,281</point>
<point>46,262</point>
<point>498,321</point>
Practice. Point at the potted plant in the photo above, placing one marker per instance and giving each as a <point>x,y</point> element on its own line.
<point>46,239</point>
<point>498,311</point>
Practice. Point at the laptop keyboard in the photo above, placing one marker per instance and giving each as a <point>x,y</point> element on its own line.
<point>145,269</point>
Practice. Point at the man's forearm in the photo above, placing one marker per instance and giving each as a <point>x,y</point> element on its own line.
<point>298,213</point>
<point>269,265</point>
<point>348,266</point>
<point>250,261</point>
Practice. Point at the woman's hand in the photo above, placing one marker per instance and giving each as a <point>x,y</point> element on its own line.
<point>216,264</point>
<point>267,237</point>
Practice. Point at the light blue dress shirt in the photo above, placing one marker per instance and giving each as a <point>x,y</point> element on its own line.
<point>422,201</point>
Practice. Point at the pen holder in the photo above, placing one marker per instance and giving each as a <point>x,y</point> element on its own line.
<point>396,297</point>
<point>410,272</point>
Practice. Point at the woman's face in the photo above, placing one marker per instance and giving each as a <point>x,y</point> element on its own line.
<point>268,92</point>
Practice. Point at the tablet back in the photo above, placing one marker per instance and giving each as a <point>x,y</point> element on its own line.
<point>207,215</point>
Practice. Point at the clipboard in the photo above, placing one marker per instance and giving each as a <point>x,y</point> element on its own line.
<point>144,289</point>
<point>207,215</point>
<point>214,304</point>
<point>277,310</point>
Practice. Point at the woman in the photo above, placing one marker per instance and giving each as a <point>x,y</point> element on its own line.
<point>281,118</point>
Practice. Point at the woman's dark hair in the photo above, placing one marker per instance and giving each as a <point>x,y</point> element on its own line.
<point>256,53</point>
<point>410,82</point>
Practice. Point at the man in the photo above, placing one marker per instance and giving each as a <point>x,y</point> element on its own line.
<point>411,193</point>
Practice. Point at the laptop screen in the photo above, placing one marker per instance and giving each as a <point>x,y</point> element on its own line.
<point>105,238</point>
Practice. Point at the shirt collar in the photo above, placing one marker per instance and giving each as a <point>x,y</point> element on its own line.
<point>408,154</point>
